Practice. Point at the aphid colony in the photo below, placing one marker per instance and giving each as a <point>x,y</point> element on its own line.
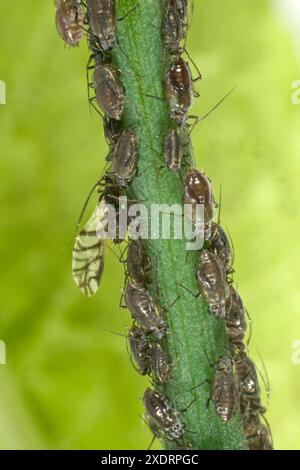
<point>235,384</point>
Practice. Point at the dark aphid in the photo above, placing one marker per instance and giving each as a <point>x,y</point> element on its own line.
<point>198,190</point>
<point>112,192</point>
<point>69,21</point>
<point>172,30</point>
<point>221,246</point>
<point>179,89</point>
<point>109,90</point>
<point>257,434</point>
<point>144,309</point>
<point>173,150</point>
<point>138,263</point>
<point>224,389</point>
<point>112,130</point>
<point>249,384</point>
<point>125,158</point>
<point>140,349</point>
<point>161,416</point>
<point>212,282</point>
<point>235,319</point>
<point>159,364</point>
<point>102,20</point>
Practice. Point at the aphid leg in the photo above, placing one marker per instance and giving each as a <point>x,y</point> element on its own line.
<point>199,77</point>
<point>91,101</point>
<point>152,442</point>
<point>128,13</point>
<point>188,290</point>
<point>265,378</point>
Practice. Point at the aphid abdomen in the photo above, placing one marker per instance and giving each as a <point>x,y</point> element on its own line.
<point>102,21</point>
<point>257,434</point>
<point>144,309</point>
<point>173,150</point>
<point>235,319</point>
<point>224,393</point>
<point>109,90</point>
<point>179,90</point>
<point>140,349</point>
<point>69,21</point>
<point>159,363</point>
<point>198,191</point>
<point>220,245</point>
<point>162,416</point>
<point>172,29</point>
<point>125,158</point>
<point>212,282</point>
<point>138,263</point>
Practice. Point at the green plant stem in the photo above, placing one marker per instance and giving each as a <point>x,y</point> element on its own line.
<point>141,58</point>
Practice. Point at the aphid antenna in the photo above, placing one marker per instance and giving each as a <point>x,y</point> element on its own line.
<point>122,18</point>
<point>113,252</point>
<point>269,428</point>
<point>205,381</point>
<point>152,442</point>
<point>96,185</point>
<point>206,115</point>
<point>265,378</point>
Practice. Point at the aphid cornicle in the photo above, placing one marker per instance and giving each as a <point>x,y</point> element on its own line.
<point>173,150</point>
<point>179,90</point>
<point>198,190</point>
<point>125,158</point>
<point>235,319</point>
<point>144,309</point>
<point>138,263</point>
<point>249,384</point>
<point>69,21</point>
<point>257,434</point>
<point>140,349</point>
<point>212,283</point>
<point>220,245</point>
<point>224,389</point>
<point>102,21</point>
<point>109,90</point>
<point>159,364</point>
<point>88,252</point>
<point>172,31</point>
<point>161,416</point>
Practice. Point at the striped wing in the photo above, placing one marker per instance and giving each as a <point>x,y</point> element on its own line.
<point>88,252</point>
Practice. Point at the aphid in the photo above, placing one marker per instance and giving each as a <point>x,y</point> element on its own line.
<point>257,434</point>
<point>112,130</point>
<point>112,192</point>
<point>159,364</point>
<point>172,31</point>
<point>249,384</point>
<point>125,158</point>
<point>212,283</point>
<point>144,309</point>
<point>220,245</point>
<point>235,319</point>
<point>102,21</point>
<point>69,21</point>
<point>140,349</point>
<point>109,90</point>
<point>179,89</point>
<point>88,252</point>
<point>173,150</point>
<point>138,263</point>
<point>161,416</point>
<point>198,190</point>
<point>224,389</point>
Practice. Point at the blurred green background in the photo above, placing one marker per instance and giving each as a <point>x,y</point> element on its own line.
<point>68,383</point>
